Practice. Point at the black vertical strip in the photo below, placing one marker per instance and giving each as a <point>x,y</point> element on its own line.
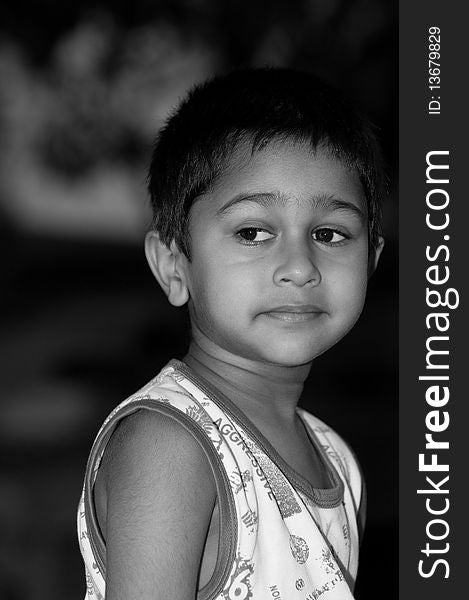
<point>434,256</point>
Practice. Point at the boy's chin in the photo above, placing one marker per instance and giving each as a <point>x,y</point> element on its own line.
<point>289,356</point>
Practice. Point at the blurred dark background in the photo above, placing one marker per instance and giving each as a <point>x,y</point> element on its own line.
<point>83,88</point>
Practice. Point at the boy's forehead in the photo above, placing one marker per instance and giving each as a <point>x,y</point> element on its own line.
<point>284,172</point>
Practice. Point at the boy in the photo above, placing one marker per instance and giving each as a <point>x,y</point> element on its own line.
<point>210,482</point>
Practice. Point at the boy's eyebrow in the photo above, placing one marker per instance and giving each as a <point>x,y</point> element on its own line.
<point>267,199</point>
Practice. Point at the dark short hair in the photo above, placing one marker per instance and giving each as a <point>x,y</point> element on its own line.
<point>255,106</point>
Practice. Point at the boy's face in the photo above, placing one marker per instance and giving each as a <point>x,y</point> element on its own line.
<point>279,255</point>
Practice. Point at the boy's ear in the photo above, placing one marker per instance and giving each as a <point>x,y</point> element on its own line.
<point>374,257</point>
<point>168,265</point>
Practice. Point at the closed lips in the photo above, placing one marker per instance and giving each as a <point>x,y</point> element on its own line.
<point>294,313</point>
<point>296,308</point>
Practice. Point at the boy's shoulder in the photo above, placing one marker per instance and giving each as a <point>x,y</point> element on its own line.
<point>162,390</point>
<point>157,414</point>
<point>159,418</point>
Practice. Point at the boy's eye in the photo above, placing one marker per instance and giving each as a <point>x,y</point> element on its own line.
<point>328,236</point>
<point>254,235</point>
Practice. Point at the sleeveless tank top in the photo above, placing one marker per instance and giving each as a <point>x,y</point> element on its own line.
<point>280,538</point>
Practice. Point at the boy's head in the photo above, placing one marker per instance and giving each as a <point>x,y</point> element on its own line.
<point>254,107</point>
<point>265,188</point>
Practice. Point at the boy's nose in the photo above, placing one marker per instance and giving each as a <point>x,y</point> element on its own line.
<point>297,268</point>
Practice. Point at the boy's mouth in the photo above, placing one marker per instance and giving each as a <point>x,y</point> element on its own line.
<point>294,313</point>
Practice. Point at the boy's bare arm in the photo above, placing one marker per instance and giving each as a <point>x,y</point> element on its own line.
<point>159,492</point>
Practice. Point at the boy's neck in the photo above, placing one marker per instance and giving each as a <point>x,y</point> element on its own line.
<point>252,386</point>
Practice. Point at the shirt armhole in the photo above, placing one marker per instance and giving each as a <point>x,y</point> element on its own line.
<point>360,504</point>
<point>228,522</point>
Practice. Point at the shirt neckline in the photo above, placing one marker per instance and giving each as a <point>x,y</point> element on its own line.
<point>323,497</point>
